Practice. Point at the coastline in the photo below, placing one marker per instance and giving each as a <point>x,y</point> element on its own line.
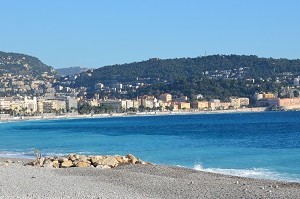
<point>133,181</point>
<point>106,115</point>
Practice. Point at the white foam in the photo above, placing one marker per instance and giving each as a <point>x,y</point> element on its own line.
<point>258,173</point>
<point>10,154</point>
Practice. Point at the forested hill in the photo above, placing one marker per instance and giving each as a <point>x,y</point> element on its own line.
<point>185,68</point>
<point>20,64</point>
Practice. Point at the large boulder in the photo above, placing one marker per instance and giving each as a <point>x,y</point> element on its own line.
<point>109,161</point>
<point>71,157</point>
<point>66,164</point>
<point>95,159</point>
<point>62,159</point>
<point>122,159</point>
<point>132,159</point>
<point>48,163</point>
<point>55,163</point>
<point>82,164</point>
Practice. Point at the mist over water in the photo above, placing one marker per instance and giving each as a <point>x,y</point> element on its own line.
<point>259,145</point>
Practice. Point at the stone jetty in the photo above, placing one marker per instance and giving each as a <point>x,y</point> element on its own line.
<point>75,160</point>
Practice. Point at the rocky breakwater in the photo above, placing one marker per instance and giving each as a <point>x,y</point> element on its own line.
<point>75,160</point>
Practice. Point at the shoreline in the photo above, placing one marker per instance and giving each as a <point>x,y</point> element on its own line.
<point>107,115</point>
<point>133,181</point>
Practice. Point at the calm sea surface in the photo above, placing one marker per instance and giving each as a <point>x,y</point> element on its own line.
<point>259,145</point>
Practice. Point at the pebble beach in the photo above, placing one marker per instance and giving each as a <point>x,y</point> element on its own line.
<point>132,181</point>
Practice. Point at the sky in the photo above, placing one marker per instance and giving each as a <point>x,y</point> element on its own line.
<point>95,33</point>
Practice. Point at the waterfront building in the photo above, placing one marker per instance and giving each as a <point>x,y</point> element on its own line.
<point>214,104</point>
<point>166,97</point>
<point>71,104</point>
<point>184,105</point>
<point>201,105</point>
<point>5,103</point>
<point>289,103</point>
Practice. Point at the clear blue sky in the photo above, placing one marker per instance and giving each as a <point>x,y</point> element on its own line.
<point>95,33</point>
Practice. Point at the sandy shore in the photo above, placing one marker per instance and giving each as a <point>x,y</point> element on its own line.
<point>132,181</point>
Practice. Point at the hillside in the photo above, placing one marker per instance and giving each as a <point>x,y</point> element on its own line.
<point>20,64</point>
<point>70,70</point>
<point>169,70</point>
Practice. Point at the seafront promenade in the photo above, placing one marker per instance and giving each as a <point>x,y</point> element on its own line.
<point>107,115</point>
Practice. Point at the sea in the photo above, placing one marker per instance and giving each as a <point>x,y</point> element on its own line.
<point>263,145</point>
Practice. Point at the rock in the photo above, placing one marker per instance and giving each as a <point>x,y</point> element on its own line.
<point>132,159</point>
<point>82,164</point>
<point>103,167</point>
<point>71,157</point>
<point>48,164</point>
<point>41,161</point>
<point>119,159</point>
<point>55,163</point>
<point>62,159</point>
<point>83,158</point>
<point>33,163</point>
<point>109,160</point>
<point>94,159</point>
<point>66,164</point>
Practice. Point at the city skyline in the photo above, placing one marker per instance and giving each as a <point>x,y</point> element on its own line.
<point>98,33</point>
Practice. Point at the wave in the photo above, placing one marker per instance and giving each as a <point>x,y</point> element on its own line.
<point>15,154</point>
<point>257,173</point>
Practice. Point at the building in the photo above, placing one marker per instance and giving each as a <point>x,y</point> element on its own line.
<point>51,106</point>
<point>268,95</point>
<point>225,105</point>
<point>214,104</point>
<point>116,105</point>
<point>235,102</point>
<point>5,103</point>
<point>71,104</point>
<point>201,105</point>
<point>289,103</point>
<point>30,104</point>
<point>184,105</point>
<point>166,97</point>
<point>271,102</point>
<point>244,101</point>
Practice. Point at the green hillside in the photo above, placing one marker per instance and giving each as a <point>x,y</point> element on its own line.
<point>20,64</point>
<point>185,68</point>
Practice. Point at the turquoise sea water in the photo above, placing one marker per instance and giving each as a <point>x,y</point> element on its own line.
<point>259,145</point>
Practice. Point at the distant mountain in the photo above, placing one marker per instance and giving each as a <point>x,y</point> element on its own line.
<point>20,64</point>
<point>71,70</point>
<point>169,70</point>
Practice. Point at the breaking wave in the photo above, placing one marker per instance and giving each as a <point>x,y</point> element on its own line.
<point>257,173</point>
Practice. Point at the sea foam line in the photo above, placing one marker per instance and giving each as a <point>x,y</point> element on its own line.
<point>258,173</point>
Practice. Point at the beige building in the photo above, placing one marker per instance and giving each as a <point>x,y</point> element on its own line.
<point>50,106</point>
<point>166,97</point>
<point>244,101</point>
<point>235,102</point>
<point>214,104</point>
<point>5,103</point>
<point>289,103</point>
<point>184,105</point>
<point>225,105</point>
<point>201,105</point>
